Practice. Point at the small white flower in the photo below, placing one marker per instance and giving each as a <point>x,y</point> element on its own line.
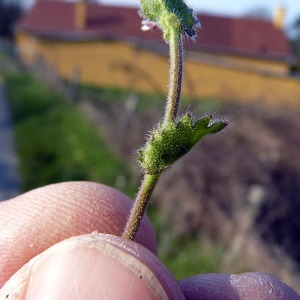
<point>148,25</point>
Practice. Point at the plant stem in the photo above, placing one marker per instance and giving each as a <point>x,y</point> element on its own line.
<point>175,80</point>
<point>140,205</point>
<point>174,91</point>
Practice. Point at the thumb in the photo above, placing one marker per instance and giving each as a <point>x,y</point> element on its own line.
<point>96,266</point>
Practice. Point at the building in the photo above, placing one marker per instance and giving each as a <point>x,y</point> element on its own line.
<point>234,58</point>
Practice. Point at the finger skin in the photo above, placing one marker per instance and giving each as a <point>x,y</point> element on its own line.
<point>95,266</point>
<point>34,221</point>
<point>247,286</point>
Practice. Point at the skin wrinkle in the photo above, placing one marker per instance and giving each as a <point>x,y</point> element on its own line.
<point>259,286</point>
<point>208,286</point>
<point>84,211</point>
<point>99,198</point>
<point>277,292</point>
<point>10,232</point>
<point>133,249</point>
<point>36,220</point>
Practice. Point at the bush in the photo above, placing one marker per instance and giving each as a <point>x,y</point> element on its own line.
<point>55,141</point>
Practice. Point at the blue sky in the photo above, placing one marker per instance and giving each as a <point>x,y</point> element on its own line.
<point>229,7</point>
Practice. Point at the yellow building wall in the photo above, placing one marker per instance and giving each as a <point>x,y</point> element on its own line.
<point>111,63</point>
<point>235,84</point>
<point>254,64</point>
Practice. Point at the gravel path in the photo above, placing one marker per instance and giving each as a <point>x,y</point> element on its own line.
<point>9,179</point>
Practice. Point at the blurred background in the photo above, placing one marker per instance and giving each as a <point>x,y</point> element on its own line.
<point>81,84</point>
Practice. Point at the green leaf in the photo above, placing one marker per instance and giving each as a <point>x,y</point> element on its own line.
<point>167,144</point>
<point>171,16</point>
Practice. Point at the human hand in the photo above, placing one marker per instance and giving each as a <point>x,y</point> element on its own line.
<point>90,266</point>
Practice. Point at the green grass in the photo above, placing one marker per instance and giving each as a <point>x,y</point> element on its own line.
<point>56,143</point>
<point>191,257</point>
<point>185,255</point>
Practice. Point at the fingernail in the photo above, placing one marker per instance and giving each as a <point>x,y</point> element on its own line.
<point>84,268</point>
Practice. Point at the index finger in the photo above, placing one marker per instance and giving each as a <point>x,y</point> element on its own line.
<point>34,221</point>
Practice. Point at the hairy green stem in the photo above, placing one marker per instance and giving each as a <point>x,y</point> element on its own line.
<point>140,205</point>
<point>175,80</point>
<point>174,91</point>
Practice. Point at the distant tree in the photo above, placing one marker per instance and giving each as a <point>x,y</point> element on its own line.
<point>297,23</point>
<point>10,11</point>
<point>296,29</point>
<point>295,43</point>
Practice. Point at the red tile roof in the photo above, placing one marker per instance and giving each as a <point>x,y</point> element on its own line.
<point>243,36</point>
